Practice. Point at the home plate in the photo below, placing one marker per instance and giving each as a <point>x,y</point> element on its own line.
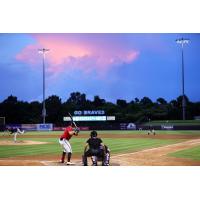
<point>57,163</point>
<point>75,163</point>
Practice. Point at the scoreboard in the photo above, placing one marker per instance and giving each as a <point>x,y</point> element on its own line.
<point>90,115</point>
<point>90,118</point>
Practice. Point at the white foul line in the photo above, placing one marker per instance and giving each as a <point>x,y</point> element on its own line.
<point>146,150</point>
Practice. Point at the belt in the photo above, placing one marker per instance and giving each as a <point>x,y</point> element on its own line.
<point>63,139</point>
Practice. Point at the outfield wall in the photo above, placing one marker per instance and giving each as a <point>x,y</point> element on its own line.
<point>169,127</point>
<point>32,127</point>
<point>103,126</point>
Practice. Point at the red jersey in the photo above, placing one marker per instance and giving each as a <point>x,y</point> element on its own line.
<point>66,134</point>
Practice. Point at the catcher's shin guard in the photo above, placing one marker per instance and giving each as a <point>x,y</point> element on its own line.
<point>84,160</point>
<point>107,159</point>
<point>94,160</point>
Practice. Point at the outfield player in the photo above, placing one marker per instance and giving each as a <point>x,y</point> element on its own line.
<point>151,130</point>
<point>64,142</point>
<point>95,149</point>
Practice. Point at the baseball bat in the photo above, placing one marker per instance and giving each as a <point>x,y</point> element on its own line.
<point>72,119</point>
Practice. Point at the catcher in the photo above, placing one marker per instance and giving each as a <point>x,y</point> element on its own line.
<point>95,149</point>
<point>106,157</point>
<point>64,142</point>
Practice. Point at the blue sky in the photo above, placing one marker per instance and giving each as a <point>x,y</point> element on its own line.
<point>113,66</point>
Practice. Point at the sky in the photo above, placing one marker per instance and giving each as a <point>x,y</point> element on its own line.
<point>112,66</point>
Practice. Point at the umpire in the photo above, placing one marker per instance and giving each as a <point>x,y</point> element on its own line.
<point>96,149</point>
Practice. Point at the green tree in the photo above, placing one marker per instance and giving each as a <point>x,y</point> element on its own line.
<point>121,103</point>
<point>54,109</point>
<point>146,101</point>
<point>98,102</point>
<point>161,101</point>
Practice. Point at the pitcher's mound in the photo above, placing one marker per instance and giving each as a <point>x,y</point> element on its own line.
<point>23,142</point>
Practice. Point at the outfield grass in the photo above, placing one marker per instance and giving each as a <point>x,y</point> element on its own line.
<point>117,145</point>
<point>131,145</point>
<point>169,132</point>
<point>173,122</point>
<point>192,153</point>
<point>181,132</point>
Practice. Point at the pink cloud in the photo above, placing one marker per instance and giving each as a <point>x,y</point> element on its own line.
<point>28,55</point>
<point>67,54</point>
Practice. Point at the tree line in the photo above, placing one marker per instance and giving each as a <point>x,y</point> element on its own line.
<point>137,110</point>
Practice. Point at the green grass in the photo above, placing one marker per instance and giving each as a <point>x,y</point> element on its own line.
<point>185,132</point>
<point>192,153</point>
<point>58,133</point>
<point>117,145</point>
<point>173,122</point>
<point>131,145</point>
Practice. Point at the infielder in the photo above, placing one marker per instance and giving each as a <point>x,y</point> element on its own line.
<point>64,142</point>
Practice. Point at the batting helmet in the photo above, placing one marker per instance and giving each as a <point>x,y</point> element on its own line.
<point>93,134</point>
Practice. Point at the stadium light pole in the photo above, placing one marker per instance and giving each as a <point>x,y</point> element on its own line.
<point>182,42</point>
<point>43,51</point>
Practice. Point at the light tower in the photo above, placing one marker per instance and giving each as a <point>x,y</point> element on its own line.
<point>43,51</point>
<point>182,42</point>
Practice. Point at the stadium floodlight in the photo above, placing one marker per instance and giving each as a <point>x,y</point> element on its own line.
<point>43,51</point>
<point>2,121</point>
<point>182,42</point>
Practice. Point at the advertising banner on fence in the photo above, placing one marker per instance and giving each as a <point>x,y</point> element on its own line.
<point>127,126</point>
<point>167,127</point>
<point>29,127</point>
<point>44,127</point>
<point>13,126</point>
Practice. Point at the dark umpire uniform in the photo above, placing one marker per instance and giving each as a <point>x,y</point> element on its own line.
<point>96,149</point>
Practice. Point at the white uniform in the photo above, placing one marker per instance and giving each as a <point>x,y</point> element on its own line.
<point>16,133</point>
<point>64,140</point>
<point>65,145</point>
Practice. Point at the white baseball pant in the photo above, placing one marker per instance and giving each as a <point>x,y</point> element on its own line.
<point>65,145</point>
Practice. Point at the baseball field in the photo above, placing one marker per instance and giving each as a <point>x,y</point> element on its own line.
<point>128,148</point>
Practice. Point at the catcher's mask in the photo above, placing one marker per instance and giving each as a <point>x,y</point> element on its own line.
<point>93,134</point>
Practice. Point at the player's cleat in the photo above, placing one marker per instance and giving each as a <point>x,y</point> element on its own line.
<point>70,163</point>
<point>94,164</point>
<point>61,161</point>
